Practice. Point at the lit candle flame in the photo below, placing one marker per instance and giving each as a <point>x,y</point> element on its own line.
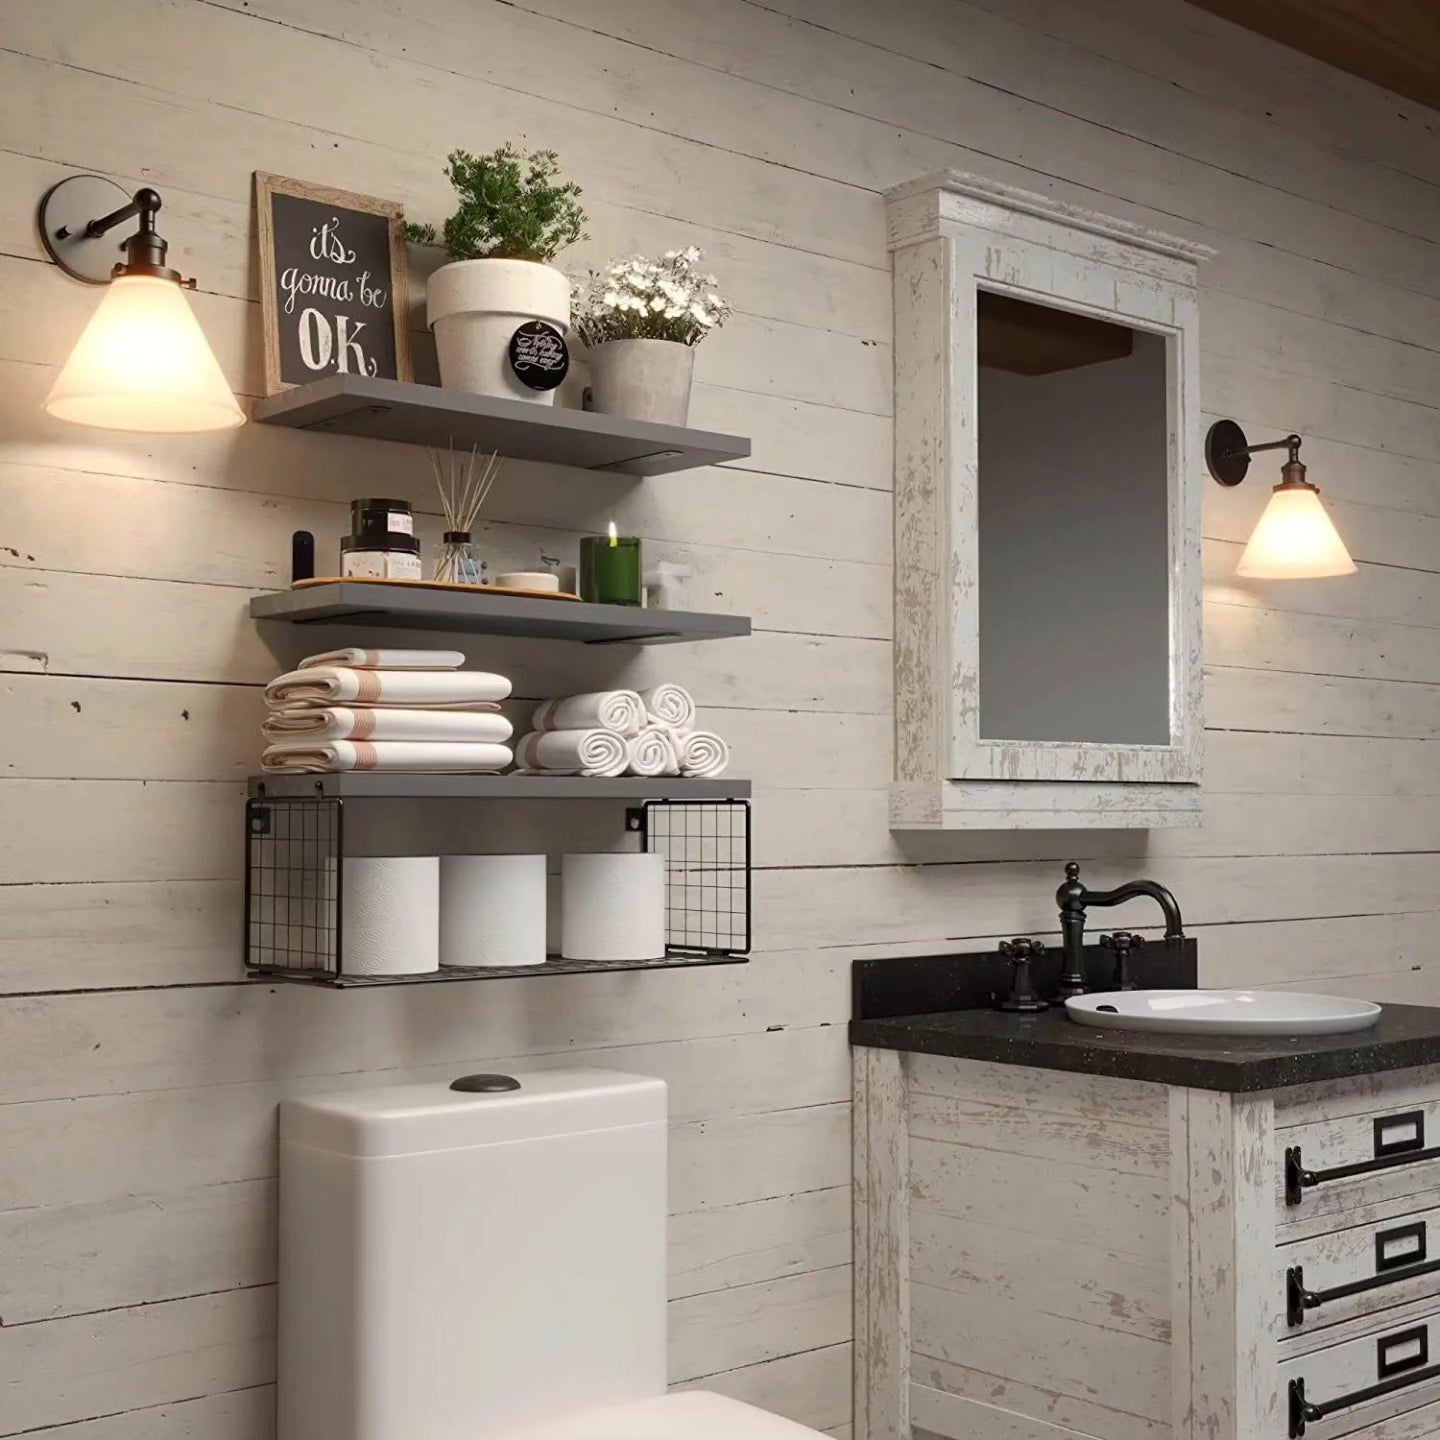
<point>614,534</point>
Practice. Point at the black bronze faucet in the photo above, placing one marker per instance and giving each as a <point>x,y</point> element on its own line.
<point>1073,899</point>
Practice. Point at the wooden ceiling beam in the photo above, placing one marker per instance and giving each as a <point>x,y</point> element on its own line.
<point>1392,43</point>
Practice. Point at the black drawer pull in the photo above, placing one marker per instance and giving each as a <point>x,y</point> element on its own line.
<point>1303,1412</point>
<point>1298,1299</point>
<point>1298,1179</point>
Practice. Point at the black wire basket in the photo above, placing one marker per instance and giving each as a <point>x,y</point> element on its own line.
<point>295,874</point>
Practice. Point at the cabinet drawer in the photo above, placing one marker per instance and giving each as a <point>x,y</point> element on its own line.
<point>1361,1382</point>
<point>1345,1274</point>
<point>1330,1167</point>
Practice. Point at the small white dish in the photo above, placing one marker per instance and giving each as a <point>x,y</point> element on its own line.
<point>1222,1012</point>
<point>530,580</point>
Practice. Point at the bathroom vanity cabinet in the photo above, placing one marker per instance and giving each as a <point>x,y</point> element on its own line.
<point>1165,1239</point>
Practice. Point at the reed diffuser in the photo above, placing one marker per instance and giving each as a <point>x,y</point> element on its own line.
<point>464,485</point>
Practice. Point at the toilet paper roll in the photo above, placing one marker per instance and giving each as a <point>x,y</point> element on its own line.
<point>612,907</point>
<point>391,915</point>
<point>492,910</point>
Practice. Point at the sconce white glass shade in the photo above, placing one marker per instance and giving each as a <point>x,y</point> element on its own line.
<point>143,363</point>
<point>1295,540</point>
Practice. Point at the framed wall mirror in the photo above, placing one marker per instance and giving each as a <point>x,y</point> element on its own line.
<point>1048,603</point>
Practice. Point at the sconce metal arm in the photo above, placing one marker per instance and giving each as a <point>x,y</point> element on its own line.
<point>144,203</point>
<point>145,250</point>
<point>1228,452</point>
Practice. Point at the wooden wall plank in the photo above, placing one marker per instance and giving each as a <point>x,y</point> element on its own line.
<point>63,1372</point>
<point>210,1134</point>
<point>789,1315</point>
<point>246,1414</point>
<point>811,1387</point>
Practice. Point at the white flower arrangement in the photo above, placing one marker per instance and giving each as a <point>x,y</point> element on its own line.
<point>642,299</point>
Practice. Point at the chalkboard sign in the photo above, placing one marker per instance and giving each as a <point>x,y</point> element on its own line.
<point>332,283</point>
<point>539,356</point>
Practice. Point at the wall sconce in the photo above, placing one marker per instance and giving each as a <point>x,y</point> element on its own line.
<point>1295,539</point>
<point>142,363</point>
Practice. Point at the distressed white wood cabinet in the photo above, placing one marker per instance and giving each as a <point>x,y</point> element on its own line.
<point>1041,1255</point>
<point>1047,514</point>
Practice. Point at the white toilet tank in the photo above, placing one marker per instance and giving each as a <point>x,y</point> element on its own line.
<point>456,1264</point>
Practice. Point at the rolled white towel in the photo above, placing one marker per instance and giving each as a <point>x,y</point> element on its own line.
<point>653,752</point>
<point>669,705</point>
<point>703,754</point>
<point>409,689</point>
<point>359,659</point>
<point>339,722</point>
<point>617,710</point>
<point>318,757</point>
<point>573,752</point>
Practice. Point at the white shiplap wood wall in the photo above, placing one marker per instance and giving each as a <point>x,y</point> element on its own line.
<point>138,1074</point>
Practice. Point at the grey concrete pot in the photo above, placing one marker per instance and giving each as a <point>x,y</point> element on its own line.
<point>643,379</point>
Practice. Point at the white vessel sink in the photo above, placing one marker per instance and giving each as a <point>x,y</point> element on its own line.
<point>1223,1012</point>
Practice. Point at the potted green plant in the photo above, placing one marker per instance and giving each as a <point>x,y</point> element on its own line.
<point>515,214</point>
<point>641,320</point>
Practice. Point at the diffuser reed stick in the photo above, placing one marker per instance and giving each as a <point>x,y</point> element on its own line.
<point>464,484</point>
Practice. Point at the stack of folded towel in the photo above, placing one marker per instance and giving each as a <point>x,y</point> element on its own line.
<point>622,732</point>
<point>386,710</point>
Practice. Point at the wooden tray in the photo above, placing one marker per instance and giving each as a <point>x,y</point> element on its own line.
<point>434,585</point>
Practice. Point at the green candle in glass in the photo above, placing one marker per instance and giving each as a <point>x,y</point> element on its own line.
<point>610,569</point>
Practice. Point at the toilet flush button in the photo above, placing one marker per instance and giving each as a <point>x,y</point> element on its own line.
<point>485,1084</point>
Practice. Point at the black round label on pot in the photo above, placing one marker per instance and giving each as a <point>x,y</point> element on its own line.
<point>538,355</point>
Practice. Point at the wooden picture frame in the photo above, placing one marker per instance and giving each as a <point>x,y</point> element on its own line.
<point>342,351</point>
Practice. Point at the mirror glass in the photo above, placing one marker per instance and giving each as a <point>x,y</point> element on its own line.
<point>1073,548</point>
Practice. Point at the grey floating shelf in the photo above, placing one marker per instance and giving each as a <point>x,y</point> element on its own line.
<point>356,602</point>
<point>376,785</point>
<point>554,966</point>
<point>375,409</point>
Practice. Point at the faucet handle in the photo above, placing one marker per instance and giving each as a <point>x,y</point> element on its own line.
<point>1022,998</point>
<point>1122,941</point>
<point>1120,944</point>
<point>1021,948</point>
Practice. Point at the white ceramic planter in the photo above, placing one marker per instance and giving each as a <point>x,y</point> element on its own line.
<point>475,306</point>
<point>643,379</point>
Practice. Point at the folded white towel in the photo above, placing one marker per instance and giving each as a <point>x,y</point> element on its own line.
<point>358,659</point>
<point>337,722</point>
<point>653,752</point>
<point>669,705</point>
<point>411,689</point>
<point>703,754</point>
<point>617,710</point>
<point>313,757</point>
<point>573,752</point>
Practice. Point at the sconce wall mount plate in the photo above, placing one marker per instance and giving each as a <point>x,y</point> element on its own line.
<point>1227,453</point>
<point>65,215</point>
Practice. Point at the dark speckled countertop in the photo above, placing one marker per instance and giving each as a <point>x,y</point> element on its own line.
<point>1404,1036</point>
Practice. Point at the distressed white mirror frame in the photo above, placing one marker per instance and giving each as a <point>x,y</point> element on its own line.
<point>951,235</point>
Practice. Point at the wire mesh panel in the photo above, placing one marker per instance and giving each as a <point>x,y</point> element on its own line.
<point>706,845</point>
<point>294,879</point>
<point>293,850</point>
